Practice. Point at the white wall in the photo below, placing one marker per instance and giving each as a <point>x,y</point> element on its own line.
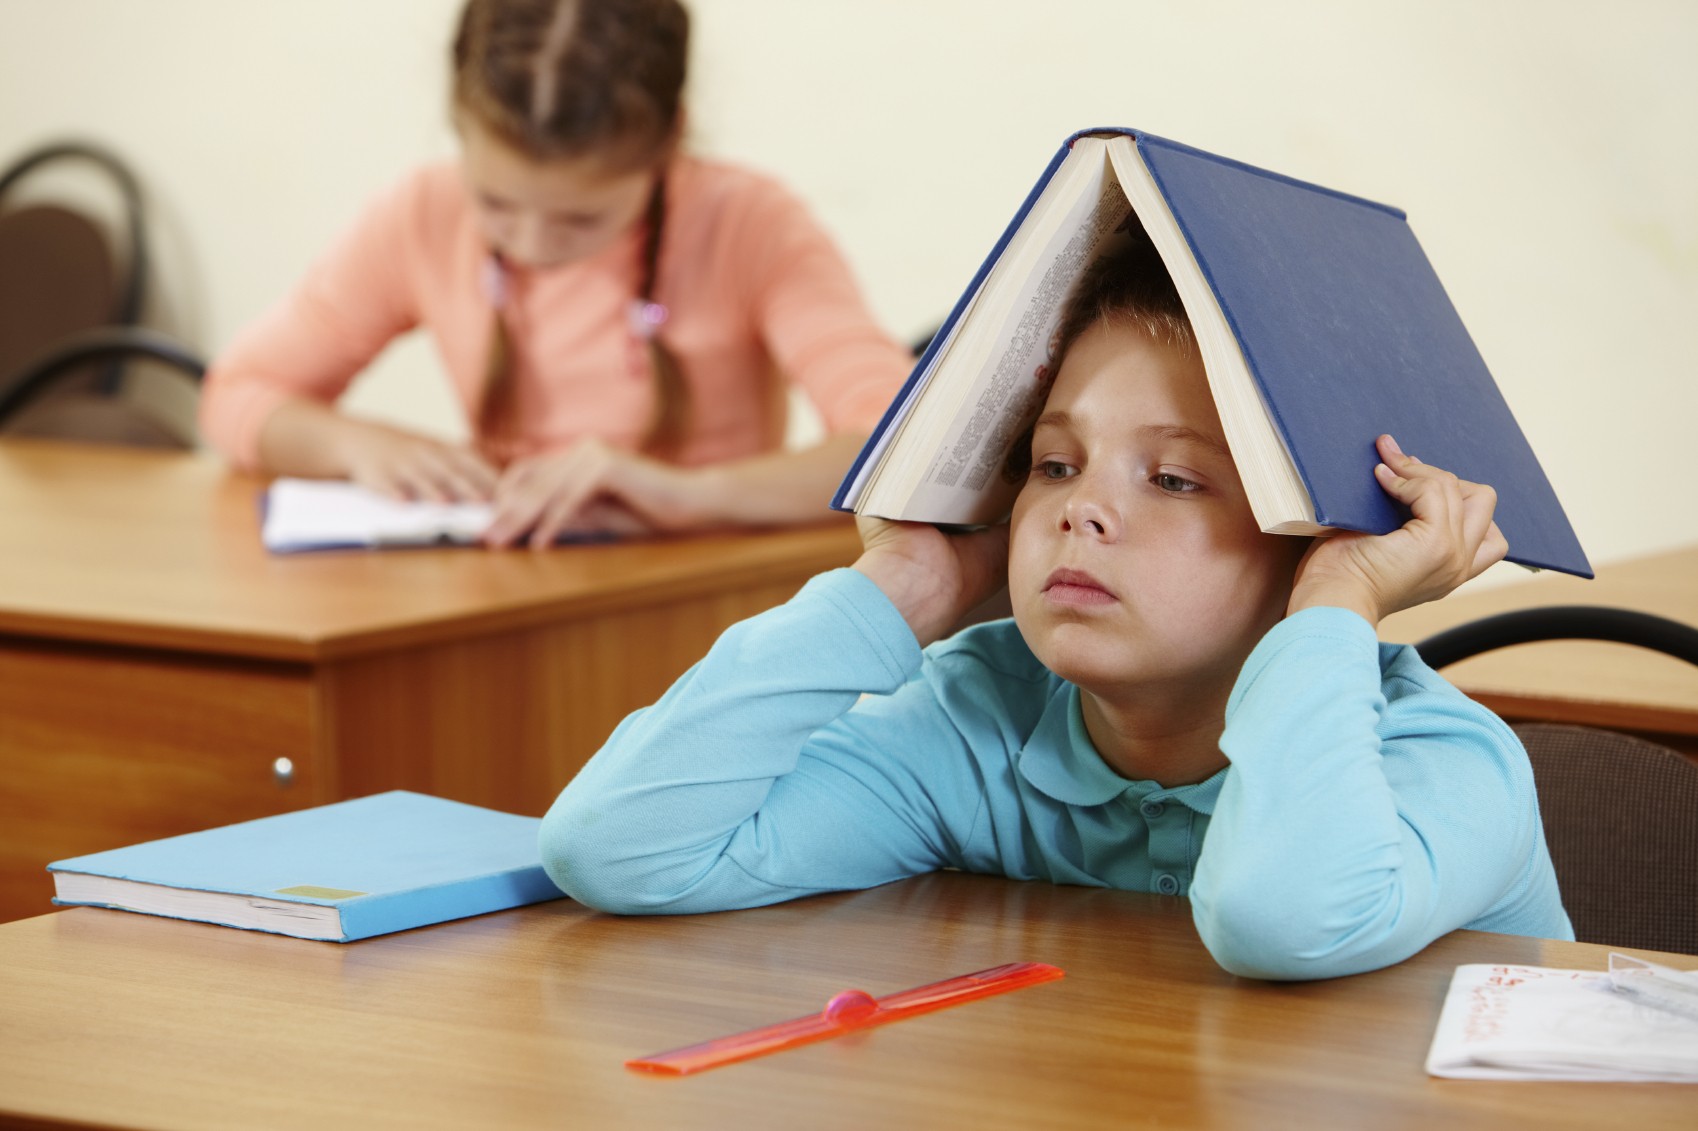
<point>1546,151</point>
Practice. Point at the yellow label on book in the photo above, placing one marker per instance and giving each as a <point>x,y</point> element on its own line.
<point>311,892</point>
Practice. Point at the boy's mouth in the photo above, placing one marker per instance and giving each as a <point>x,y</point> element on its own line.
<point>1076,587</point>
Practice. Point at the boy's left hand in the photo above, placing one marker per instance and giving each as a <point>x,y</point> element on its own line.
<point>1449,538</point>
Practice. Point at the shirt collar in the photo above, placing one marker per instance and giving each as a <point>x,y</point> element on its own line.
<point>1060,761</point>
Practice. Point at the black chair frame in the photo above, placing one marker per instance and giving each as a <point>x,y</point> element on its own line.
<point>1561,622</point>
<point>132,289</point>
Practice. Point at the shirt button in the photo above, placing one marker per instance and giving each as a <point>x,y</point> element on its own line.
<point>1151,809</point>
<point>1167,884</point>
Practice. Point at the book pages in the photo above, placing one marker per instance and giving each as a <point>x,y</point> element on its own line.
<point>997,360</point>
<point>306,514</point>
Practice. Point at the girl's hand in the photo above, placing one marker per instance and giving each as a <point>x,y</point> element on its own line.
<point>593,488</point>
<point>404,465</point>
<point>1449,538</point>
<point>934,579</point>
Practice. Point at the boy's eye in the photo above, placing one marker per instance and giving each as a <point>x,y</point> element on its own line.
<point>1174,484</point>
<point>1053,469</point>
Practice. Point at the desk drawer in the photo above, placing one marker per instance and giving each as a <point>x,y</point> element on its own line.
<point>105,747</point>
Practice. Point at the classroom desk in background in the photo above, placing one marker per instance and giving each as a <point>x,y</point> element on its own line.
<point>1590,683</point>
<point>524,1019</point>
<point>161,673</point>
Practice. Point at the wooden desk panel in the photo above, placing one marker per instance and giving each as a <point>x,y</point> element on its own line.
<point>523,1019</point>
<point>102,748</point>
<point>1592,683</point>
<point>156,662</point>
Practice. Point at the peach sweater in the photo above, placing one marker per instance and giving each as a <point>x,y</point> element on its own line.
<point>754,286</point>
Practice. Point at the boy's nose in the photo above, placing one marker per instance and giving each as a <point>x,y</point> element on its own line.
<point>1084,515</point>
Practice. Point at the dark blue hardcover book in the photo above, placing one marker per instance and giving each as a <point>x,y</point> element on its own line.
<point>1322,325</point>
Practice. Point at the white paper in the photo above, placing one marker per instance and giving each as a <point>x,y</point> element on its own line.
<point>1538,1023</point>
<point>312,514</point>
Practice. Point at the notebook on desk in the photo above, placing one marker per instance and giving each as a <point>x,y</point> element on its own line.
<point>338,872</point>
<point>305,515</point>
<point>313,514</point>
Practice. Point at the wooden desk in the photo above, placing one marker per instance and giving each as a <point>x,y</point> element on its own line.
<point>523,1019</point>
<point>1592,683</point>
<point>156,662</point>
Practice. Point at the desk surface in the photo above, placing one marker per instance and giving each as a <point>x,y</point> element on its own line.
<point>137,547</point>
<point>1589,682</point>
<point>523,1019</point>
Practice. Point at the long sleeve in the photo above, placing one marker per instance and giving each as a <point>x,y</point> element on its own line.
<point>1366,813</point>
<point>752,781</point>
<point>352,302</point>
<point>809,311</point>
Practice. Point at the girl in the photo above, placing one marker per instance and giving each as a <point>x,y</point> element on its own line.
<point>1181,704</point>
<point>612,312</point>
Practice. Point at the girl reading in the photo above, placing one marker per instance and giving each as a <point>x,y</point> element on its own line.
<point>618,318</point>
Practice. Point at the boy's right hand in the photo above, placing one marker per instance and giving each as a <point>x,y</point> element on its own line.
<point>933,578</point>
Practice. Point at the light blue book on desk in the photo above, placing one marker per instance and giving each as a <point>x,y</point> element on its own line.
<point>339,872</point>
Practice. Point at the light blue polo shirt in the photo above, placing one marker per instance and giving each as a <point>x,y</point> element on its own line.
<point>1368,809</point>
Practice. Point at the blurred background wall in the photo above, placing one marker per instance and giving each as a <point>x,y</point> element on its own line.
<point>1545,150</point>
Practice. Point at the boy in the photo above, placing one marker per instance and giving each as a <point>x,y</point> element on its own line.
<point>1182,704</point>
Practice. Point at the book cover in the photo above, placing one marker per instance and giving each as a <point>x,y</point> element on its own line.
<point>340,872</point>
<point>1333,328</point>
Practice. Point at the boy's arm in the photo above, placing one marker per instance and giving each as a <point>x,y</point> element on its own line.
<point>1353,830</point>
<point>752,782</point>
<point>1356,827</point>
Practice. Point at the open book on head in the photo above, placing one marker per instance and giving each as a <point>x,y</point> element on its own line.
<point>1320,322</point>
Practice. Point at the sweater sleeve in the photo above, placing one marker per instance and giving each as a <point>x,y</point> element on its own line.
<point>752,780</point>
<point>1353,829</point>
<point>813,317</point>
<point>352,302</point>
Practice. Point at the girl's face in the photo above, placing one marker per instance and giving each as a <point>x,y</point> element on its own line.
<point>543,214</point>
<point>1136,566</point>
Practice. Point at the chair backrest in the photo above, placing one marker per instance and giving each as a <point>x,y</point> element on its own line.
<point>57,277</point>
<point>69,304</point>
<point>59,273</point>
<point>1620,813</point>
<point>1621,819</point>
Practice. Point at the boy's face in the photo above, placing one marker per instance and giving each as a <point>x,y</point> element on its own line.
<point>1136,567</point>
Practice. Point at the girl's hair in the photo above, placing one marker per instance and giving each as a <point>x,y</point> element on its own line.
<point>566,79</point>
